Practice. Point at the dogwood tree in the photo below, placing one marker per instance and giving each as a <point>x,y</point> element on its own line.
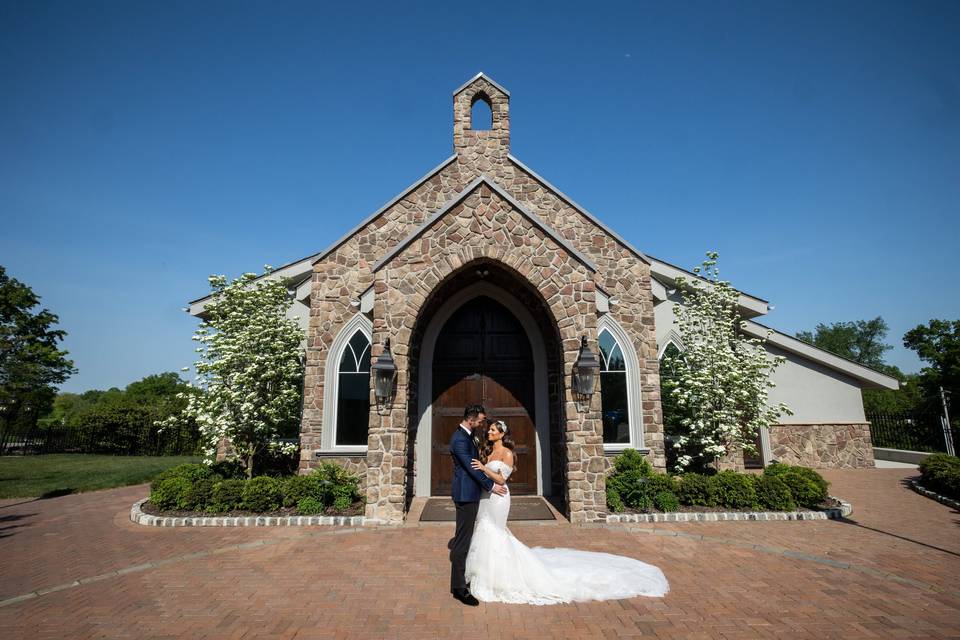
<point>250,371</point>
<point>720,383</point>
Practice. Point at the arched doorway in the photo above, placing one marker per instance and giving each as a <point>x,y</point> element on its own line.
<point>482,355</point>
<point>505,362</point>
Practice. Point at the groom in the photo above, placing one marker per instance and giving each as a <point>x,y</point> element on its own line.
<point>467,486</point>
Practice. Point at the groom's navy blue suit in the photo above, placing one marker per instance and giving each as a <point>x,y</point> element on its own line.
<point>468,486</point>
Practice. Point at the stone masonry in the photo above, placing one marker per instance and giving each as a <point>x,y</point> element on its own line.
<point>482,225</point>
<point>823,446</point>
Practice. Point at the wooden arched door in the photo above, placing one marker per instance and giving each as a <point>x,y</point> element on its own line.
<point>483,356</point>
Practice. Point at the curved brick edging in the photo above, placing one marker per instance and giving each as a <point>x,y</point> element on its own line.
<point>835,513</point>
<point>933,495</point>
<point>137,515</point>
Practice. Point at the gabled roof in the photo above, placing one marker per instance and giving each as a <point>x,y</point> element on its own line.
<point>457,199</point>
<point>873,378</point>
<point>485,77</point>
<point>667,274</point>
<point>580,209</point>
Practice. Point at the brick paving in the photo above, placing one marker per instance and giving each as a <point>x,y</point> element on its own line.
<point>889,571</point>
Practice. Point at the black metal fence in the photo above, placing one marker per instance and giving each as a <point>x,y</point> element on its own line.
<point>137,438</point>
<point>909,431</point>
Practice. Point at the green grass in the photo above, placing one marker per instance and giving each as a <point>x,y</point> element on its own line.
<point>60,474</point>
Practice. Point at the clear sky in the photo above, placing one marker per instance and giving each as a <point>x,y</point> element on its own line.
<point>146,145</point>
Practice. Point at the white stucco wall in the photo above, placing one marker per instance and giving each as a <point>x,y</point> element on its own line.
<point>816,394</point>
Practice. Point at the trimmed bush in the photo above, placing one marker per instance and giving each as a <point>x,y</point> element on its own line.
<point>807,487</point>
<point>338,487</point>
<point>773,493</point>
<point>630,486</point>
<point>263,493</point>
<point>227,495</point>
<point>190,472</point>
<point>169,492</point>
<point>229,469</point>
<point>732,489</point>
<point>631,460</point>
<point>197,494</point>
<point>614,503</point>
<point>296,488</point>
<point>309,506</point>
<point>941,473</point>
<point>694,489</point>
<point>666,501</point>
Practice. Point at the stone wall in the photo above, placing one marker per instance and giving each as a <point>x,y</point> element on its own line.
<point>823,446</point>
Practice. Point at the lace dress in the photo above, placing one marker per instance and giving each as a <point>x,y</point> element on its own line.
<point>500,568</point>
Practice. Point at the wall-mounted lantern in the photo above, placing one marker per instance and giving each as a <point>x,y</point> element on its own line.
<point>585,373</point>
<point>384,374</point>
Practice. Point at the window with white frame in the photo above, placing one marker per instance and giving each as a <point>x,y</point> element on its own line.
<point>353,392</point>
<point>615,397</point>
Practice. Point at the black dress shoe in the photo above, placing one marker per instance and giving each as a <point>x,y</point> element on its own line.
<point>465,597</point>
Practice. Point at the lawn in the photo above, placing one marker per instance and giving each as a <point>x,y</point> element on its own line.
<point>60,474</point>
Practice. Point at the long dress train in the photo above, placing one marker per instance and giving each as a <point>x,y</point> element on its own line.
<point>500,568</point>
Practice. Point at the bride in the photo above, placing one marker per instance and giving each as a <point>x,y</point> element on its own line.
<point>500,568</point>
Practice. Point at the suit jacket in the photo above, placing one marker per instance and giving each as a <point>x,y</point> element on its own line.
<point>468,483</point>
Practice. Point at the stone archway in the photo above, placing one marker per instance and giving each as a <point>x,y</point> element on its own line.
<point>423,458</point>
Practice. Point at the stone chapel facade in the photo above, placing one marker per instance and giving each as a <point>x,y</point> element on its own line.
<point>484,279</point>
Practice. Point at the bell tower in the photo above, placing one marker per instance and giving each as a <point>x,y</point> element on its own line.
<point>470,142</point>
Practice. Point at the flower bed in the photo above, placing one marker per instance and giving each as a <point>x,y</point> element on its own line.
<point>634,488</point>
<point>221,489</point>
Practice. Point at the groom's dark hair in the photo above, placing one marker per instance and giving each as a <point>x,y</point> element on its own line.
<point>473,410</point>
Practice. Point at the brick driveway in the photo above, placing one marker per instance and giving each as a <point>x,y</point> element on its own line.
<point>892,570</point>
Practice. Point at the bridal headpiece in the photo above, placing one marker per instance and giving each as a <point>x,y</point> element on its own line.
<point>502,426</point>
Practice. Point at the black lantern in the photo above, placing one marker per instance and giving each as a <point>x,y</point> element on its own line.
<point>384,373</point>
<point>585,372</point>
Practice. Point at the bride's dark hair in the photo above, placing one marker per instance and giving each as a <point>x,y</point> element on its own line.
<point>507,439</point>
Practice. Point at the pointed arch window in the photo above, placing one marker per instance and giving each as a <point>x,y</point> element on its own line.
<point>346,398</point>
<point>620,391</point>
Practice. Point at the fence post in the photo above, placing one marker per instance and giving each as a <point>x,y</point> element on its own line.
<point>945,423</point>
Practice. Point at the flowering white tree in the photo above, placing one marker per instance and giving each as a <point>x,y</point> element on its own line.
<point>250,371</point>
<point>720,383</point>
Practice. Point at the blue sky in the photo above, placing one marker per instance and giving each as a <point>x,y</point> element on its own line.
<point>146,145</point>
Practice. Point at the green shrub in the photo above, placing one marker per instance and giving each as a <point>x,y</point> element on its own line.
<point>227,495</point>
<point>666,501</point>
<point>197,494</point>
<point>296,488</point>
<point>614,503</point>
<point>941,473</point>
<point>263,493</point>
<point>229,469</point>
<point>309,506</point>
<point>630,486</point>
<point>773,493</point>
<point>631,460</point>
<point>190,472</point>
<point>338,487</point>
<point>694,489</point>
<point>779,469</point>
<point>807,487</point>
<point>733,490</point>
<point>169,492</point>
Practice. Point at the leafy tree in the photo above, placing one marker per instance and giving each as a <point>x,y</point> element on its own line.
<point>31,365</point>
<point>864,341</point>
<point>861,341</point>
<point>938,344</point>
<point>250,371</point>
<point>721,383</point>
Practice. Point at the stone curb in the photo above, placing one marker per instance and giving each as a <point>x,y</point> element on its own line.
<point>933,495</point>
<point>137,515</point>
<point>833,513</point>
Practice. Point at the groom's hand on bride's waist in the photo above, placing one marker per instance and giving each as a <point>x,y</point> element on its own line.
<point>500,489</point>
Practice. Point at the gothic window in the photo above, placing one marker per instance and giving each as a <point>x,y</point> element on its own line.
<point>613,387</point>
<point>353,392</point>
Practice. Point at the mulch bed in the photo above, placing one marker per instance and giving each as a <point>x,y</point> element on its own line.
<point>356,509</point>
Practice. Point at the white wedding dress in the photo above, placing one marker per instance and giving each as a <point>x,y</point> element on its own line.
<point>500,568</point>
